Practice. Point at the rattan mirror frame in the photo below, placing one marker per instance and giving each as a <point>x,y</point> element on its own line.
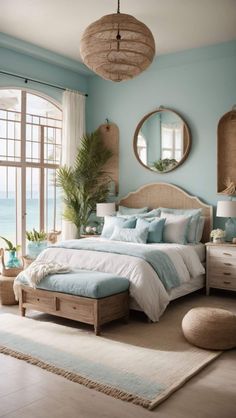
<point>186,131</point>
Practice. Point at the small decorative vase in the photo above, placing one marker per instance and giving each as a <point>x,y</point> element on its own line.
<point>218,240</point>
<point>34,248</point>
<point>13,260</point>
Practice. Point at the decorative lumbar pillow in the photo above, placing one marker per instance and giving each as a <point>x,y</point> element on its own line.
<point>175,228</point>
<point>155,228</point>
<point>138,236</point>
<point>111,221</point>
<point>123,210</point>
<point>210,328</point>
<point>194,221</point>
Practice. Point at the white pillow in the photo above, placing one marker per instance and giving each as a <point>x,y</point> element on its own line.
<point>175,228</point>
<point>138,236</point>
<point>194,222</point>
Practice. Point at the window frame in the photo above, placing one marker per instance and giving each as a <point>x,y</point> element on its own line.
<point>23,164</point>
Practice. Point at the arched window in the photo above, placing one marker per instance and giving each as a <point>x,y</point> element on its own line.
<point>30,153</point>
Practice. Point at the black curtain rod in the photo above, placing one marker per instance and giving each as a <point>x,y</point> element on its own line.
<point>26,79</point>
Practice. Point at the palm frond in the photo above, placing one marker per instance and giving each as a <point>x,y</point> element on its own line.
<point>86,183</point>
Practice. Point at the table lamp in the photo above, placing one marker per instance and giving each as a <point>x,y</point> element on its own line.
<point>105,209</point>
<point>227,209</point>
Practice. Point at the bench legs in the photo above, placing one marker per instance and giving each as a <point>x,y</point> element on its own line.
<point>97,329</point>
<point>22,311</point>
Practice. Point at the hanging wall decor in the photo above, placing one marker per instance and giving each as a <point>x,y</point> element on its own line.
<point>226,153</point>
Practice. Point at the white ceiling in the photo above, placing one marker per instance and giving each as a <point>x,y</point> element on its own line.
<point>176,24</point>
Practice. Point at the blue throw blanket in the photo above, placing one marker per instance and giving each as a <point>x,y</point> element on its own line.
<point>160,261</point>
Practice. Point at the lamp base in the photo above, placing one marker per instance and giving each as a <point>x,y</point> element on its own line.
<point>230,230</point>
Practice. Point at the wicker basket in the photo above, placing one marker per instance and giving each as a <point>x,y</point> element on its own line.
<point>6,291</point>
<point>8,272</point>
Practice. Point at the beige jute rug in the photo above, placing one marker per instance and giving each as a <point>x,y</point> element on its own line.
<point>138,362</point>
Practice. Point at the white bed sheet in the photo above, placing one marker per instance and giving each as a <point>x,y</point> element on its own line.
<point>185,288</point>
<point>145,286</point>
<point>200,250</point>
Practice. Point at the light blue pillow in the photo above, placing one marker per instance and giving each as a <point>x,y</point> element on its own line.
<point>110,222</point>
<point>138,236</point>
<point>151,214</point>
<point>154,213</point>
<point>194,221</point>
<point>200,228</point>
<point>155,229</point>
<point>123,210</point>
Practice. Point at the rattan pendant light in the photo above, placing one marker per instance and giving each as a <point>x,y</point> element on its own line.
<point>117,47</point>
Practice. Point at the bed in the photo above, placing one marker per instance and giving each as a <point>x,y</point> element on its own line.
<point>147,291</point>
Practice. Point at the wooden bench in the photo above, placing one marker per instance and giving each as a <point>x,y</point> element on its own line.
<point>90,310</point>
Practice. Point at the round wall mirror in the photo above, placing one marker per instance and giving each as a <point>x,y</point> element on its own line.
<point>162,140</point>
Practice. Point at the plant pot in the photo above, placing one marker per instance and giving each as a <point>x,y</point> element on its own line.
<point>34,248</point>
<point>13,260</point>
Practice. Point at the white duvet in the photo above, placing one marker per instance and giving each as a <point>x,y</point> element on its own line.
<point>145,285</point>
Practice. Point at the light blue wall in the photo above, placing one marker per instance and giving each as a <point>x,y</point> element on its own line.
<point>200,84</point>
<point>34,62</point>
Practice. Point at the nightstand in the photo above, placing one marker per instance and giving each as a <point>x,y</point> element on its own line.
<point>221,266</point>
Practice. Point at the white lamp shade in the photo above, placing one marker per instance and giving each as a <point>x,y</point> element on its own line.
<point>226,209</point>
<point>105,209</point>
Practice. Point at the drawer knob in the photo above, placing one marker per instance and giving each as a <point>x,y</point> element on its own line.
<point>227,274</point>
<point>38,299</point>
<point>226,282</point>
<point>228,254</point>
<point>227,264</point>
<point>74,307</point>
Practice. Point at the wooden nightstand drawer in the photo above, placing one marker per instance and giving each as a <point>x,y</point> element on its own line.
<point>221,266</point>
<point>222,261</point>
<point>226,253</point>
<point>222,269</point>
<point>223,282</point>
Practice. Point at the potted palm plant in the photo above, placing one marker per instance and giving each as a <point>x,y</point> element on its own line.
<point>86,183</point>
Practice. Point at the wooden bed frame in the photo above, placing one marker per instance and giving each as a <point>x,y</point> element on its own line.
<point>76,307</point>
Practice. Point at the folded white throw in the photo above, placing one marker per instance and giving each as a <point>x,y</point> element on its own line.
<point>39,269</point>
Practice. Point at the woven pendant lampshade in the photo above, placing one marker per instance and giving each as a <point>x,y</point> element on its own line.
<point>117,47</point>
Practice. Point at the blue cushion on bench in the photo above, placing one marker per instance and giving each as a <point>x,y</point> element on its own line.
<point>89,284</point>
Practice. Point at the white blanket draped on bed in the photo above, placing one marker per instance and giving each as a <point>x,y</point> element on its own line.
<point>145,286</point>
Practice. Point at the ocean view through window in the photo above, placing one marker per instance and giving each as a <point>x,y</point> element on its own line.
<point>30,153</point>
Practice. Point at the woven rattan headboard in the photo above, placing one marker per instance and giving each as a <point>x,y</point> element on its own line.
<point>169,196</point>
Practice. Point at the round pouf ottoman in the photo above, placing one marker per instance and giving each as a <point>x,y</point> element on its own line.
<point>210,328</point>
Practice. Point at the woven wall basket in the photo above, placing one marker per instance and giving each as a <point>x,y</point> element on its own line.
<point>117,60</point>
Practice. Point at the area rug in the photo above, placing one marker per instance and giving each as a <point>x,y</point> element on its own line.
<point>145,373</point>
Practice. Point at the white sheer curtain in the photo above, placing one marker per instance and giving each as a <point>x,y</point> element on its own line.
<point>73,107</point>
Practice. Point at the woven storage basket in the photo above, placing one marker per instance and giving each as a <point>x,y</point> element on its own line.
<point>6,291</point>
